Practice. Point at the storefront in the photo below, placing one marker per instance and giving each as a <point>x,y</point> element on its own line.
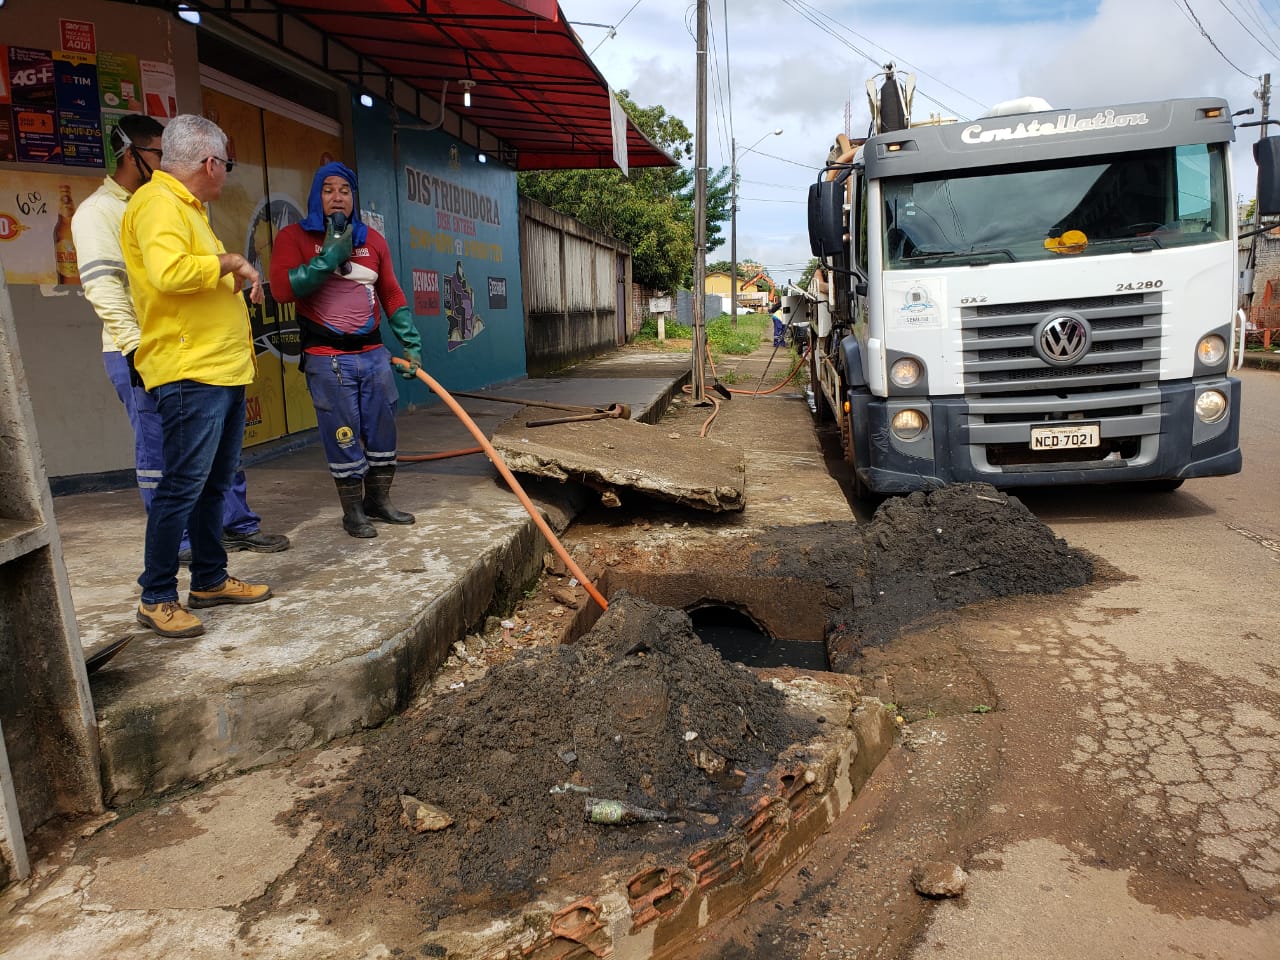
<point>442,189</point>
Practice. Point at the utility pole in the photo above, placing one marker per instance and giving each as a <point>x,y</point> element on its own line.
<point>733,232</point>
<point>1263,93</point>
<point>700,215</point>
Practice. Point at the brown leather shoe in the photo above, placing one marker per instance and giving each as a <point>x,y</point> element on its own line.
<point>169,619</point>
<point>230,590</point>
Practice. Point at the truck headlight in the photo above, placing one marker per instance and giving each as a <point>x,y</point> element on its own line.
<point>905,372</point>
<point>908,424</point>
<point>1211,406</point>
<point>1211,350</point>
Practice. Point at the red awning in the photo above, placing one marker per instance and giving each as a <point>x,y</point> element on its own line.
<point>534,86</point>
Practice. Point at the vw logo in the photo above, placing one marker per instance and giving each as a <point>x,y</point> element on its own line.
<point>1063,339</point>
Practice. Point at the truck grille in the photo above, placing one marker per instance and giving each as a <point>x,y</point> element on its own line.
<point>1010,389</point>
<point>1000,355</point>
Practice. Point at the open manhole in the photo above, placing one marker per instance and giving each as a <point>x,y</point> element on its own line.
<point>736,636</point>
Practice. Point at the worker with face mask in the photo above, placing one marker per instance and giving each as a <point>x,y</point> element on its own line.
<point>338,270</point>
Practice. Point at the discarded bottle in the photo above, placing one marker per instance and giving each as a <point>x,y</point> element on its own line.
<point>598,810</point>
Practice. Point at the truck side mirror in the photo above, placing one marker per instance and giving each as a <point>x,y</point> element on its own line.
<point>826,217</point>
<point>1267,153</point>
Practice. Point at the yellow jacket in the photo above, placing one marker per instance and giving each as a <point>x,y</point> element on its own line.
<point>193,319</point>
<point>96,231</point>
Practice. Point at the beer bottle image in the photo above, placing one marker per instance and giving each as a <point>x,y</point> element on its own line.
<point>597,810</point>
<point>64,248</point>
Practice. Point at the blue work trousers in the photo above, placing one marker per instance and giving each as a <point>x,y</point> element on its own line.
<point>203,429</point>
<point>148,451</point>
<point>355,398</point>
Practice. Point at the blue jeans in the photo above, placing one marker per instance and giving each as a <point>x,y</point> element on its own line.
<point>355,398</point>
<point>148,450</point>
<point>203,428</point>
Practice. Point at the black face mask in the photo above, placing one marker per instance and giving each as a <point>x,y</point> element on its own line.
<point>146,168</point>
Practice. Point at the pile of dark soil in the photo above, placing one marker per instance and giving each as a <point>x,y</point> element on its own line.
<point>638,710</point>
<point>924,554</point>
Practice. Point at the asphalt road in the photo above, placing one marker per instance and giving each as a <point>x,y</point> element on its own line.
<point>1122,797</point>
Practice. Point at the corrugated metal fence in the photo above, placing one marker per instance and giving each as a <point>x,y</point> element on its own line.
<point>577,285</point>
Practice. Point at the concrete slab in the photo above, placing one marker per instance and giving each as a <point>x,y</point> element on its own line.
<point>616,456</point>
<point>355,627</point>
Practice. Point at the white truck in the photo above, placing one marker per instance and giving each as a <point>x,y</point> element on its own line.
<point>1032,299</point>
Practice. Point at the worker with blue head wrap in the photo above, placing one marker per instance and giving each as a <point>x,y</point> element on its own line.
<point>338,270</point>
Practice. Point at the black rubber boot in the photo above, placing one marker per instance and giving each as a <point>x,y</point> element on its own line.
<point>354,521</point>
<point>377,496</point>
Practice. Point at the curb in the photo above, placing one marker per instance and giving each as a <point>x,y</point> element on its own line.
<point>1259,360</point>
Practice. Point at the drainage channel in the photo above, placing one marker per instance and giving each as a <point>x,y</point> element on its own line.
<point>736,636</point>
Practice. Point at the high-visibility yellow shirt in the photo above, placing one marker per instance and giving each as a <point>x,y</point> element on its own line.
<point>96,231</point>
<point>193,319</point>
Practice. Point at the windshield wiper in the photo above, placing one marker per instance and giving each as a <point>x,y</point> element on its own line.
<point>1142,244</point>
<point>972,258</point>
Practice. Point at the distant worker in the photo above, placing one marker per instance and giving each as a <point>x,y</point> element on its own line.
<point>339,271</point>
<point>779,326</point>
<point>196,356</point>
<point>135,145</point>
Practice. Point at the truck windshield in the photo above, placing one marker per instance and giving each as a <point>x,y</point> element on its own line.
<point>1144,200</point>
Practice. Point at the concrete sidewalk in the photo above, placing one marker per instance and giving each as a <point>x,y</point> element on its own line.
<point>355,626</point>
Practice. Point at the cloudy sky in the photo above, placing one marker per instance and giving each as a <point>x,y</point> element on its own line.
<point>794,63</point>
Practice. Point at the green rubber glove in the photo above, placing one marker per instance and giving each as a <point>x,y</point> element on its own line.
<point>406,330</point>
<point>335,251</point>
<point>415,364</point>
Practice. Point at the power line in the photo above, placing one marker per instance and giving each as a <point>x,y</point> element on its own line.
<point>816,17</point>
<point>724,122</point>
<point>796,163</point>
<point>1261,6</point>
<point>1205,33</point>
<point>1270,51</point>
<point>614,31</point>
<point>728,69</point>
<point>761,183</point>
<point>1252,9</point>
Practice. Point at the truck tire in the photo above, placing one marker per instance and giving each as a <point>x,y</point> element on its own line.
<point>822,412</point>
<point>848,448</point>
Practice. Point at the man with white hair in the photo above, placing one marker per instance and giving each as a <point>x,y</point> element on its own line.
<point>195,356</point>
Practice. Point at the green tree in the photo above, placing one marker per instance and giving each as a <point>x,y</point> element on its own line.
<point>805,277</point>
<point>746,268</point>
<point>651,210</point>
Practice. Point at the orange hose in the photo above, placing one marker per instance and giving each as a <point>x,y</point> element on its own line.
<point>443,455</point>
<point>760,393</point>
<point>508,476</point>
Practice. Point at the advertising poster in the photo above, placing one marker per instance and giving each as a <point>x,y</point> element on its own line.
<point>79,116</point>
<point>426,293</point>
<point>265,193</point>
<point>34,105</point>
<point>119,82</point>
<point>8,149</point>
<point>119,94</point>
<point>78,36</point>
<point>497,293</point>
<point>159,89</point>
<point>35,224</point>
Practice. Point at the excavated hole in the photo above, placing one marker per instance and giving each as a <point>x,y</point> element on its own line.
<point>737,636</point>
